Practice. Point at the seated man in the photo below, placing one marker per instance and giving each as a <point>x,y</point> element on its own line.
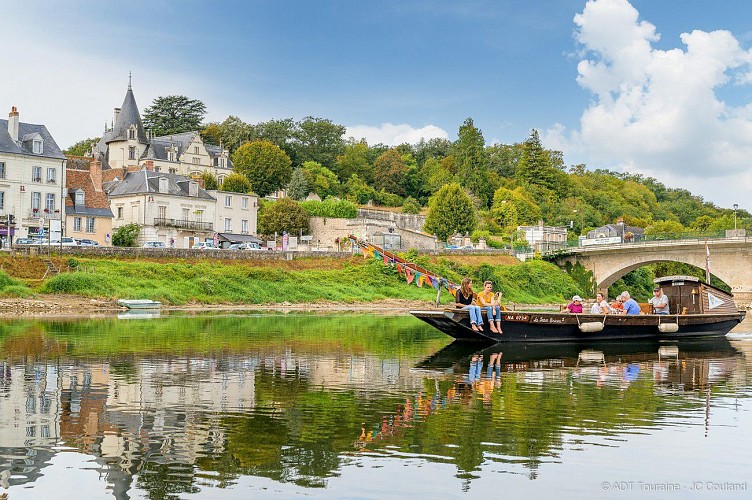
<point>630,305</point>
<point>659,301</point>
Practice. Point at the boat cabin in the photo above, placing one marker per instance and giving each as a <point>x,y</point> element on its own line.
<point>689,295</point>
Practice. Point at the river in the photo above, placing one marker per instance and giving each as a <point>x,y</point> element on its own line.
<point>362,406</point>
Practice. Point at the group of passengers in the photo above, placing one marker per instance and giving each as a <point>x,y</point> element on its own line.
<point>476,303</point>
<point>623,304</point>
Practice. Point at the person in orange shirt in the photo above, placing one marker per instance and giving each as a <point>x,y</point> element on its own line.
<point>491,302</point>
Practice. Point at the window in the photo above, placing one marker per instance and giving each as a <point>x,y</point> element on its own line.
<point>196,160</point>
<point>79,198</point>
<point>195,150</point>
<point>171,156</point>
<point>222,162</point>
<point>132,133</point>
<point>119,212</point>
<point>90,224</point>
<point>228,201</point>
<point>244,203</point>
<point>244,226</point>
<point>157,169</point>
<point>2,200</point>
<point>36,174</point>
<point>186,214</point>
<point>37,146</point>
<point>162,212</point>
<point>49,204</point>
<point>51,175</point>
<point>2,170</point>
<point>132,152</point>
<point>228,224</point>
<point>77,224</point>
<point>173,170</point>
<point>36,201</point>
<point>199,215</point>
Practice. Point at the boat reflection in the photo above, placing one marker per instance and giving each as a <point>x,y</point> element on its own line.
<point>683,365</point>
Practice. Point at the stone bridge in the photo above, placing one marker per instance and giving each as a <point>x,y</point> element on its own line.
<point>730,260</point>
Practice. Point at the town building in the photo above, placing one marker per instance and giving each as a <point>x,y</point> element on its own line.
<point>32,179</point>
<point>126,144</point>
<point>236,217</point>
<point>544,238</point>
<point>170,208</point>
<point>87,208</point>
<point>613,233</point>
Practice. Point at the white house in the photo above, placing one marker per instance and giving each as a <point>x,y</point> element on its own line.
<point>236,216</point>
<point>545,238</point>
<point>32,178</point>
<point>169,208</point>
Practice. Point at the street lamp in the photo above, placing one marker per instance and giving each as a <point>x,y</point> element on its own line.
<point>735,207</point>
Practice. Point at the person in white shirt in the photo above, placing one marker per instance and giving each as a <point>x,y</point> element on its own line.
<point>600,306</point>
<point>659,301</point>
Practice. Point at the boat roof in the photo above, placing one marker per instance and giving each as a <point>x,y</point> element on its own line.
<point>678,277</point>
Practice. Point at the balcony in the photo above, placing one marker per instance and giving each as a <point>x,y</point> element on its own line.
<point>183,224</point>
<point>41,214</point>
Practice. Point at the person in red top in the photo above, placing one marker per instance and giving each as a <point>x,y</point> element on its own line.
<point>575,306</point>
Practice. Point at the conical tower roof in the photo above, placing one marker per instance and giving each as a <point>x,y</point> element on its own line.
<point>128,116</point>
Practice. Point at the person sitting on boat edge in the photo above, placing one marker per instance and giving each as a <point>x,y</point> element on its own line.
<point>630,305</point>
<point>491,303</point>
<point>466,301</point>
<point>617,306</point>
<point>600,306</point>
<point>659,301</point>
<point>575,306</point>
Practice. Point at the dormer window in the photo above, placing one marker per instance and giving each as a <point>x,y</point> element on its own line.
<point>222,162</point>
<point>37,146</point>
<point>171,156</point>
<point>131,133</point>
<point>80,198</point>
<point>195,150</point>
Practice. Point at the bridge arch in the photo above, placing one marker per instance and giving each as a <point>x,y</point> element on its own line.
<point>607,281</point>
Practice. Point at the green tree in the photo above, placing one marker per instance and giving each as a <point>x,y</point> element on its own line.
<point>264,164</point>
<point>472,164</point>
<point>231,133</point>
<point>236,183</point>
<point>82,147</point>
<point>126,236</point>
<point>283,215</point>
<point>320,179</point>
<point>209,180</point>
<point>319,140</point>
<point>538,168</point>
<point>282,133</point>
<point>410,206</point>
<point>665,228</point>
<point>358,191</point>
<point>389,172</point>
<point>298,188</point>
<point>354,160</point>
<point>450,211</point>
<point>174,114</point>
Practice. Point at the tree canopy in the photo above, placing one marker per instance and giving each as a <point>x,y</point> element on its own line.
<point>450,211</point>
<point>264,164</point>
<point>236,183</point>
<point>282,215</point>
<point>82,147</point>
<point>174,114</point>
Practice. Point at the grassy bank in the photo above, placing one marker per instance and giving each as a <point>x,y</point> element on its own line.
<point>268,282</point>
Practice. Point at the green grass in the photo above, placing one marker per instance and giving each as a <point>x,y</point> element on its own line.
<point>228,283</point>
<point>10,287</point>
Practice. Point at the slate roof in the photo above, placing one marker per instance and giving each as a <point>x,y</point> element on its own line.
<point>158,147</point>
<point>27,130</point>
<point>145,181</point>
<point>77,176</point>
<point>128,116</point>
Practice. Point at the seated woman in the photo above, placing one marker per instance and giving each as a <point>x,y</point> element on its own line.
<point>575,306</point>
<point>600,306</point>
<point>491,303</point>
<point>466,301</point>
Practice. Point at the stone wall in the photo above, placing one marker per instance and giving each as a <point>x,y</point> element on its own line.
<point>407,221</point>
<point>325,231</point>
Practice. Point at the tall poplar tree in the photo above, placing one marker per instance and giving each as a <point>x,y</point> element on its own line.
<point>472,163</point>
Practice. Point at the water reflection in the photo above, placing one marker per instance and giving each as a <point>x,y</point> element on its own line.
<point>174,406</point>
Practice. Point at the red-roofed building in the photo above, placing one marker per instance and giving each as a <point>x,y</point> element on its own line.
<point>87,209</point>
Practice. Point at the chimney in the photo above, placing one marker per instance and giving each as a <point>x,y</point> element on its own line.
<point>13,123</point>
<point>95,172</point>
<point>620,220</point>
<point>117,113</point>
<point>149,165</point>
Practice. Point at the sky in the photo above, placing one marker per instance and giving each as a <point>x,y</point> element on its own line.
<point>657,87</point>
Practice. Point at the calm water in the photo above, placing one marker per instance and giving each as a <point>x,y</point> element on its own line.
<point>363,407</point>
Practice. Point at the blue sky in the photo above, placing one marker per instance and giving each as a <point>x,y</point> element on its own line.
<point>657,87</point>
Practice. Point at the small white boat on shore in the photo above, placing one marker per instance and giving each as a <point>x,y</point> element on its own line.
<point>139,303</point>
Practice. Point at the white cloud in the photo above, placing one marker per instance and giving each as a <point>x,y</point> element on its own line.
<point>394,135</point>
<point>658,111</point>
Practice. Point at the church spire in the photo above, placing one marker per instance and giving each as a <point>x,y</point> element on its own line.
<point>129,81</point>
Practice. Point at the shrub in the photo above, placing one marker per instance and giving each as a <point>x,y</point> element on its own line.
<point>410,206</point>
<point>125,236</point>
<point>331,207</point>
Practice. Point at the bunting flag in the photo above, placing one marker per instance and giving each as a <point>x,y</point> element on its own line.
<point>387,260</point>
<point>376,254</point>
<point>437,283</point>
<point>452,289</point>
<point>429,279</point>
<point>409,275</point>
<point>367,252</point>
<point>421,280</point>
<point>400,269</point>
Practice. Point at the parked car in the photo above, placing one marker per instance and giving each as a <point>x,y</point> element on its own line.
<point>205,245</point>
<point>245,246</point>
<point>153,244</point>
<point>88,243</point>
<point>26,241</point>
<point>66,242</point>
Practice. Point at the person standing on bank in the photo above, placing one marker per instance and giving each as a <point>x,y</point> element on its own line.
<point>659,301</point>
<point>491,303</point>
<point>466,301</point>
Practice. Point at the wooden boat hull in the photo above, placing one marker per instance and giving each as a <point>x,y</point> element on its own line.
<point>562,327</point>
<point>139,304</point>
